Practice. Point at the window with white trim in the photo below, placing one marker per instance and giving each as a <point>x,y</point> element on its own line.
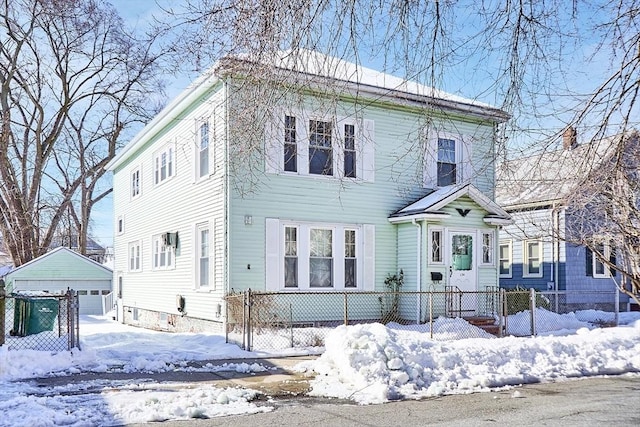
<point>447,159</point>
<point>446,163</point>
<point>203,259</point>
<point>203,150</point>
<point>350,259</point>
<point>532,258</point>
<point>435,237</point>
<point>291,257</point>
<point>120,225</point>
<point>316,256</point>
<point>290,144</point>
<point>135,183</point>
<point>163,255</point>
<point>164,164</point>
<point>504,261</point>
<point>320,147</point>
<point>135,260</point>
<point>599,268</point>
<point>487,248</point>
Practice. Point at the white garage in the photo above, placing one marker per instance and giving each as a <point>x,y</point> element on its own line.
<point>63,269</point>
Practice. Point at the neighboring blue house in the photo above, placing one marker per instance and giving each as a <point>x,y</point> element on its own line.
<point>534,251</point>
<point>344,177</point>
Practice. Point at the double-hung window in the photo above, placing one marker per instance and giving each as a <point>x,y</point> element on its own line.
<point>446,164</point>
<point>135,263</point>
<point>320,258</point>
<point>504,261</point>
<point>135,183</point>
<point>203,242</point>
<point>290,144</point>
<point>350,259</point>
<point>350,164</point>
<point>164,164</point>
<point>320,148</point>
<point>597,265</point>
<point>203,150</point>
<point>532,258</point>
<point>162,254</point>
<point>291,257</point>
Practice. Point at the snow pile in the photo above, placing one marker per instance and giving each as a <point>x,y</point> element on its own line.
<point>374,364</point>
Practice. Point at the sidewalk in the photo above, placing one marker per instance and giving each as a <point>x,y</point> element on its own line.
<point>278,379</point>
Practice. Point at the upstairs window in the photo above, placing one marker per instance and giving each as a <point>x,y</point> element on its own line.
<point>135,183</point>
<point>290,144</point>
<point>164,164</point>
<point>320,148</point>
<point>446,162</point>
<point>349,151</point>
<point>203,152</point>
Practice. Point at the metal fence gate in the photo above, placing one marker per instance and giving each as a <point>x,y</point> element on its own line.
<point>39,321</point>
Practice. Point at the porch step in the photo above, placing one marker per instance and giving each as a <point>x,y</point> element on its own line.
<point>485,323</point>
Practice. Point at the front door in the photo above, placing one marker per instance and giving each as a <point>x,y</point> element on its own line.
<point>462,270</point>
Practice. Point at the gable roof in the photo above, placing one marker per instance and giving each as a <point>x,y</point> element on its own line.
<point>429,207</point>
<point>547,178</point>
<point>51,255</point>
<point>318,68</point>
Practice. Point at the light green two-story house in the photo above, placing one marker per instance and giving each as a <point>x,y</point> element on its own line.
<point>306,174</point>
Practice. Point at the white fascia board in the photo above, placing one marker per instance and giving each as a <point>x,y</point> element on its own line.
<point>419,217</point>
<point>168,113</point>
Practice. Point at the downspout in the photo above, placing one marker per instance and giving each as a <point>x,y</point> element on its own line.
<point>555,240</point>
<point>226,185</point>
<point>418,270</point>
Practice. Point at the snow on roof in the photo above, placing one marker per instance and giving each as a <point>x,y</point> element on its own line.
<point>549,176</point>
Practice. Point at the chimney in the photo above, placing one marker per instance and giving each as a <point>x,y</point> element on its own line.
<point>569,138</point>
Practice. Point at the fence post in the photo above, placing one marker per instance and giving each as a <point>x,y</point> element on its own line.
<point>346,310</point>
<point>502,315</point>
<point>2,310</point>
<point>248,318</point>
<point>431,314</point>
<point>532,309</point>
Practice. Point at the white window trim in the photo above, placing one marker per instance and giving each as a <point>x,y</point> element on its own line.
<point>509,244</point>
<point>525,259</point>
<point>134,244</point>
<point>492,251</point>
<point>197,233</point>
<point>338,258</point>
<point>138,170</point>
<point>430,245</point>
<point>157,164</point>
<point>198,150</point>
<point>595,262</point>
<point>463,146</point>
<point>364,154</point>
<point>120,220</point>
<point>157,238</point>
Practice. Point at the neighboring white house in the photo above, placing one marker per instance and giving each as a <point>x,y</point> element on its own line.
<point>351,176</point>
<point>62,269</point>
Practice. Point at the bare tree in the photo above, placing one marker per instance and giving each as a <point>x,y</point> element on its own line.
<point>71,80</point>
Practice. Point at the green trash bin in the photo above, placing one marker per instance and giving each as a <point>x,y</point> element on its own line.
<point>42,315</point>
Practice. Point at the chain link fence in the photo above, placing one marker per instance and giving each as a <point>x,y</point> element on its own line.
<point>39,321</point>
<point>277,320</point>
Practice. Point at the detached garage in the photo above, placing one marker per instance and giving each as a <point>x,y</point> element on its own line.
<point>59,270</point>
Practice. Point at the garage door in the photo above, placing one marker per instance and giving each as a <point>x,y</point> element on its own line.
<point>89,293</point>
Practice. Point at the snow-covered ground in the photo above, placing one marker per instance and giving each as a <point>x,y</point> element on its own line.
<point>366,363</point>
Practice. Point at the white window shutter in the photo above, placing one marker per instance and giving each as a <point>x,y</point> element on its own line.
<point>466,150</point>
<point>369,261</point>
<point>272,251</point>
<point>274,144</point>
<point>368,152</point>
<point>430,161</point>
